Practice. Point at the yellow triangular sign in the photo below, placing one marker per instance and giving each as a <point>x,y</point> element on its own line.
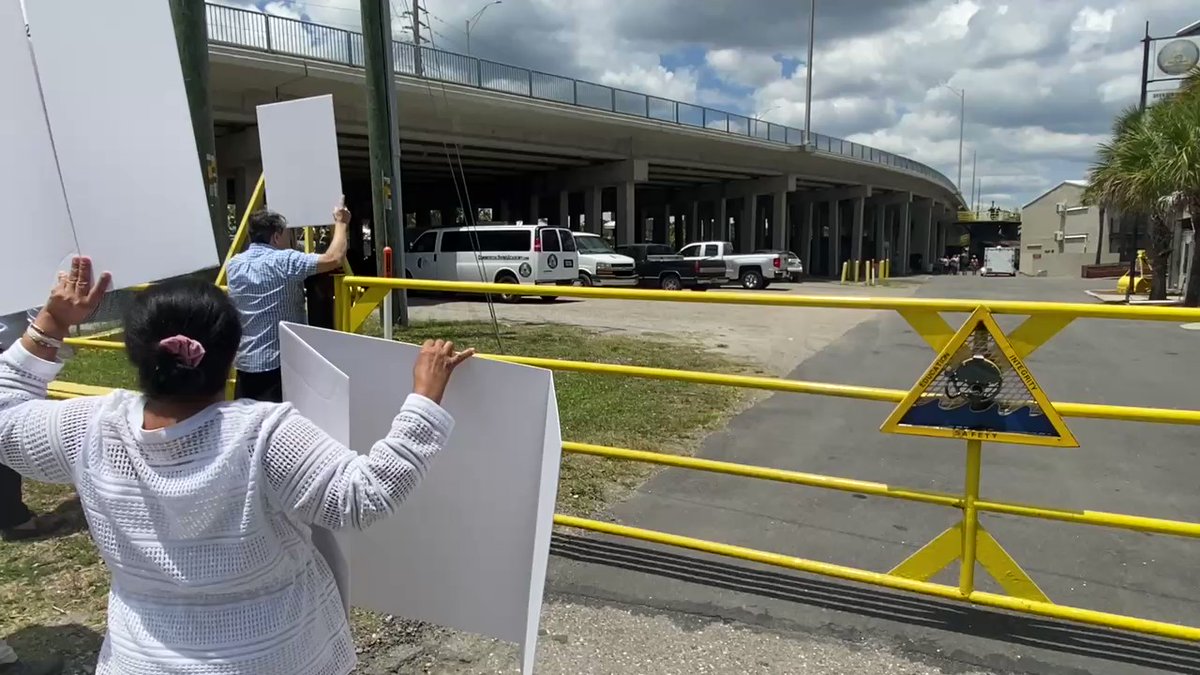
<point>979,389</point>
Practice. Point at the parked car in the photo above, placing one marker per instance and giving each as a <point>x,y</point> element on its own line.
<point>659,266</point>
<point>792,264</point>
<point>600,265</point>
<point>751,270</point>
<point>504,254</point>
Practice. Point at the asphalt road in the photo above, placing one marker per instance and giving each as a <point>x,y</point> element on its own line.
<point>1131,468</point>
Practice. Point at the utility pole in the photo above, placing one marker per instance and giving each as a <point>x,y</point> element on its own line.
<point>387,209</point>
<point>416,21</point>
<point>808,68</point>
<point>191,38</point>
<point>1133,236</point>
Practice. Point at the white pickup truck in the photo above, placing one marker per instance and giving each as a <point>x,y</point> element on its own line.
<point>751,270</point>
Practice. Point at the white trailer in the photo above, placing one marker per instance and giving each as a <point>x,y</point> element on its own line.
<point>1000,261</point>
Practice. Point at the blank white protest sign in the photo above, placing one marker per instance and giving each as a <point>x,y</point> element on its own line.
<point>469,548</point>
<point>298,140</point>
<point>37,223</point>
<point>123,135</point>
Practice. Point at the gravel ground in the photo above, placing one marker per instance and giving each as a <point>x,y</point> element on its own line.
<point>775,338</point>
<point>585,638</point>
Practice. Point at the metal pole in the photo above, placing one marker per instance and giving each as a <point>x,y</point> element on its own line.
<point>1133,236</point>
<point>808,68</point>
<point>962,119</point>
<point>191,38</point>
<point>416,17</point>
<point>966,575</point>
<point>382,126</point>
<point>468,37</point>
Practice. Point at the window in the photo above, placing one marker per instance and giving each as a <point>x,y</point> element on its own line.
<point>453,242</point>
<point>659,249</point>
<point>711,251</point>
<point>505,241</point>
<point>425,243</point>
<point>568,240</point>
<point>592,245</point>
<point>550,242</point>
<point>690,251</point>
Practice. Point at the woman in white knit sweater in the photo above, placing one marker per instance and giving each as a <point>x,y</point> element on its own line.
<point>202,508</point>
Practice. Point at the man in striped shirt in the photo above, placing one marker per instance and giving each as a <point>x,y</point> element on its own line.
<point>266,284</point>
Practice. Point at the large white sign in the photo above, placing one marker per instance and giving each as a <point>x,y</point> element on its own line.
<point>298,140</point>
<point>123,137</point>
<point>469,548</point>
<point>37,227</point>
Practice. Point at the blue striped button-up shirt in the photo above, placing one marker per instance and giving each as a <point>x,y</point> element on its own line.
<point>266,285</point>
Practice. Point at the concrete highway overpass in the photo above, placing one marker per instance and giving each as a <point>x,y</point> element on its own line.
<point>532,145</point>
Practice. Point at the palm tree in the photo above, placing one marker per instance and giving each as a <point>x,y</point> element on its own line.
<point>1151,169</point>
<point>1182,129</point>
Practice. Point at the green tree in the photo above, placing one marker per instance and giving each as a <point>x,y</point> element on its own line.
<point>1151,169</point>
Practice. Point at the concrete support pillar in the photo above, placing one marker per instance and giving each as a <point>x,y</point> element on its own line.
<point>505,211</point>
<point>835,240</point>
<point>449,216</point>
<point>880,236</point>
<point>721,227</point>
<point>662,225</point>
<point>856,230</point>
<point>807,230</point>
<point>693,224</point>
<point>905,218</point>
<point>626,215</point>
<point>921,234</point>
<point>535,201</point>
<point>593,220</point>
<point>779,221</point>
<point>564,209</point>
<point>746,224</point>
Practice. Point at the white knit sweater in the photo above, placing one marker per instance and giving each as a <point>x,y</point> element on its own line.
<point>205,525</point>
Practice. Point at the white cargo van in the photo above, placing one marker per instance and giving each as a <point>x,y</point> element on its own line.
<point>504,254</point>
<point>600,265</point>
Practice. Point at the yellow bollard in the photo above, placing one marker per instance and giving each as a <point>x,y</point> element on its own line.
<point>856,266</point>
<point>845,269</point>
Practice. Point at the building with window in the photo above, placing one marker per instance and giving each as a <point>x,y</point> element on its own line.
<point>1059,234</point>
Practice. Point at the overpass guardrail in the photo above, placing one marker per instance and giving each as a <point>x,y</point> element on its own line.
<point>256,30</point>
<point>965,542</point>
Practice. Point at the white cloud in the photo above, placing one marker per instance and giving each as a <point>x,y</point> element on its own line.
<point>1043,79</point>
<point>743,67</point>
<point>658,81</point>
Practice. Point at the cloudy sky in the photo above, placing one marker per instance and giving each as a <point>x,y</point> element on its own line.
<point>1043,78</point>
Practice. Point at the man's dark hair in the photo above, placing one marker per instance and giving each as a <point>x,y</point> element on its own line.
<point>192,308</point>
<point>265,224</point>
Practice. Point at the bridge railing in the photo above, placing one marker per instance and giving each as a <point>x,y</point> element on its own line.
<point>256,30</point>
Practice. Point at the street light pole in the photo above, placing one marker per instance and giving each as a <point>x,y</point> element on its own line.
<point>808,67</point>
<point>962,118</point>
<point>474,20</point>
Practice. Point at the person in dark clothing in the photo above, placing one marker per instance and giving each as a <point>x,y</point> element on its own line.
<point>18,522</point>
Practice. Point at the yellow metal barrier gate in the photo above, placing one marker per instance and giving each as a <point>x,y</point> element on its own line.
<point>966,541</point>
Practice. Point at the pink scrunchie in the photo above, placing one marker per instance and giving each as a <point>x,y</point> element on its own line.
<point>189,352</point>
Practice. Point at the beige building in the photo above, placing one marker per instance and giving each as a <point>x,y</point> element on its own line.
<point>1059,235</point>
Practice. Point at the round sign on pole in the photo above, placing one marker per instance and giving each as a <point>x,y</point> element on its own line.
<point>1178,57</point>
